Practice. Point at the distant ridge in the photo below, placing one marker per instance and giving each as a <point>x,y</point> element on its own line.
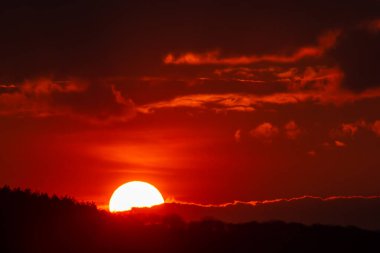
<point>359,211</point>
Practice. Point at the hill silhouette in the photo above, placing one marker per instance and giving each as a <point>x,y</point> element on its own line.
<point>33,222</point>
<point>358,211</point>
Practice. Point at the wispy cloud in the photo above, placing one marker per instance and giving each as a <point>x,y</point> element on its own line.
<point>372,25</point>
<point>265,131</point>
<point>350,129</point>
<point>292,130</point>
<point>339,144</point>
<point>278,200</point>
<point>237,135</point>
<point>247,102</point>
<point>325,41</point>
<point>33,98</point>
<point>217,102</point>
<point>376,127</point>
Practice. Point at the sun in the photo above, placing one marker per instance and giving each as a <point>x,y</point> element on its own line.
<point>134,194</point>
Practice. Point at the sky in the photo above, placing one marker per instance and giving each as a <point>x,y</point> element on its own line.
<point>211,102</point>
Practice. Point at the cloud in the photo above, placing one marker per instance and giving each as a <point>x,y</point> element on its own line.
<point>97,103</point>
<point>371,25</point>
<point>354,50</point>
<point>339,144</point>
<point>237,135</point>
<point>311,77</point>
<point>349,129</point>
<point>216,102</point>
<point>33,97</point>
<point>352,128</point>
<point>376,127</point>
<point>315,84</point>
<point>357,53</point>
<point>292,131</point>
<point>265,131</point>
<point>246,102</point>
<point>235,71</point>
<point>5,88</point>
<point>325,41</point>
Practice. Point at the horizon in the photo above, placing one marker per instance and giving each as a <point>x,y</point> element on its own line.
<point>343,211</point>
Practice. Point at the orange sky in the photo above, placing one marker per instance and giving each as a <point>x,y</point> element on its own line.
<point>210,103</point>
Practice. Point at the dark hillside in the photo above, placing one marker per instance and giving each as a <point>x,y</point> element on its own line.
<point>32,222</point>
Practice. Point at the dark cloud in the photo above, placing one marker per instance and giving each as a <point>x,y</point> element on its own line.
<point>95,102</point>
<point>358,54</point>
<point>8,88</point>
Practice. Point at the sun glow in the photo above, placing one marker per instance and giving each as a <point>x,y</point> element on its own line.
<point>134,194</point>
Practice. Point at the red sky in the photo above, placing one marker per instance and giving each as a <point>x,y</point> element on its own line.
<point>211,103</point>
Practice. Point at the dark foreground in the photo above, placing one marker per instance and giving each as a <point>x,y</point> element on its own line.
<point>32,222</point>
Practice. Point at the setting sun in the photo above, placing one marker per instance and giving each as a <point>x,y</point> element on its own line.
<point>134,194</point>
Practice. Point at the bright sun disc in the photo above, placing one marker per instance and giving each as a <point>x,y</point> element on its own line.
<point>134,194</point>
